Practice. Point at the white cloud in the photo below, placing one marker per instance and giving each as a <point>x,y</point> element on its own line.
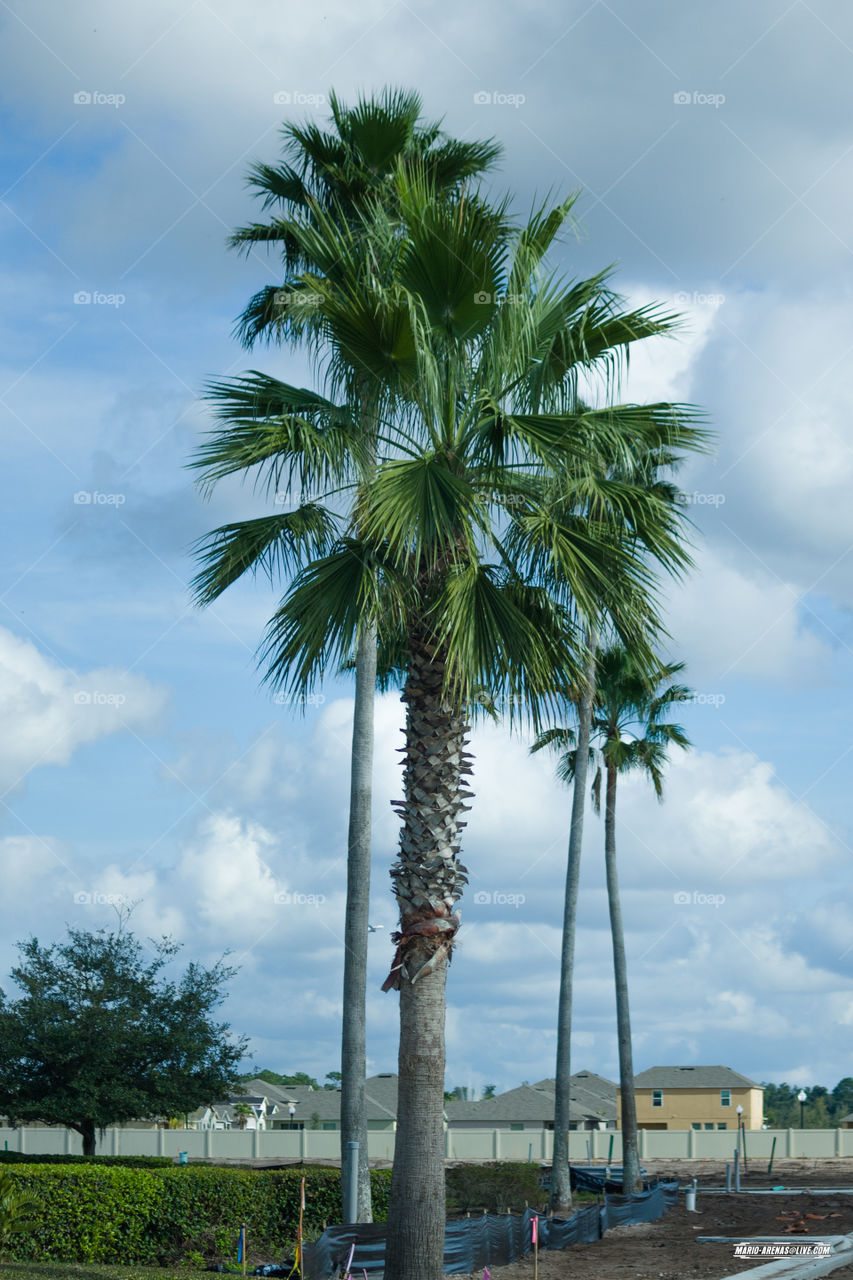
<point>51,710</point>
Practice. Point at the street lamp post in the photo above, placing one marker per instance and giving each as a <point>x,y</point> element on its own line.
<point>740,1133</point>
<point>801,1098</point>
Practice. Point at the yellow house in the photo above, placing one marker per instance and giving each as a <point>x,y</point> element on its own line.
<point>696,1098</point>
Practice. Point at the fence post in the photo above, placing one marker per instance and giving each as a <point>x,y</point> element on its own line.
<point>161,1142</point>
<point>256,1141</point>
<point>68,1142</point>
<point>303,1143</point>
<point>22,1142</point>
<point>691,1144</point>
<point>208,1142</point>
<point>114,1141</point>
<point>642,1144</point>
<point>447,1151</point>
<point>789,1143</point>
<point>837,1147</point>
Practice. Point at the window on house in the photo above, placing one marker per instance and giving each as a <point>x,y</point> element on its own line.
<point>722,1125</point>
<point>516,1127</point>
<point>696,1126</point>
<point>657,1097</point>
<point>709,1126</point>
<point>330,1124</point>
<point>725,1097</point>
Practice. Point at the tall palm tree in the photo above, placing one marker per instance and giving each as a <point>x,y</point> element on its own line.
<point>630,731</point>
<point>335,174</point>
<point>463,553</point>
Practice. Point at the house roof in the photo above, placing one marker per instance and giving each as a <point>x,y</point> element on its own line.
<point>693,1078</point>
<point>325,1104</point>
<point>532,1102</point>
<point>846,1119</point>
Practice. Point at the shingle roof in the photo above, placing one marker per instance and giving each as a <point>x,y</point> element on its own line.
<point>380,1095</point>
<point>692,1078</point>
<point>535,1102</point>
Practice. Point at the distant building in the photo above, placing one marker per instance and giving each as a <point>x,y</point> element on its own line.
<point>531,1106</point>
<point>696,1098</point>
<point>321,1108</point>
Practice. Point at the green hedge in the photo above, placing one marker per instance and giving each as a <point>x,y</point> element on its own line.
<point>494,1187</point>
<point>133,1162</point>
<point>97,1213</point>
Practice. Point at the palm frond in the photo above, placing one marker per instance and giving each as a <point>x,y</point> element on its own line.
<point>276,545</point>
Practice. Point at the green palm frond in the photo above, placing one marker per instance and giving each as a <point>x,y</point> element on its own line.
<point>326,607</point>
<point>297,438</point>
<point>275,545</point>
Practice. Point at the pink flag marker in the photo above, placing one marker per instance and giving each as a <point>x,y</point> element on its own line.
<point>487,1275</point>
<point>534,1233</point>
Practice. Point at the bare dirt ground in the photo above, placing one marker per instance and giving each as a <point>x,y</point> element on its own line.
<point>668,1249</point>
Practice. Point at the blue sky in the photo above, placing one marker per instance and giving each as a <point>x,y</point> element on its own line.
<point>140,758</point>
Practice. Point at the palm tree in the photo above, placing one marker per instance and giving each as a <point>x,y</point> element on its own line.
<point>335,174</point>
<point>630,730</point>
<point>244,1113</point>
<point>462,554</point>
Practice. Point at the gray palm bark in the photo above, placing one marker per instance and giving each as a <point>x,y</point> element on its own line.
<point>353,1031</point>
<point>561,1187</point>
<point>631,1179</point>
<point>428,882</point>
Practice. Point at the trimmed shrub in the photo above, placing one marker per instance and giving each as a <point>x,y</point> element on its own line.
<point>133,1162</point>
<point>493,1187</point>
<point>94,1213</point>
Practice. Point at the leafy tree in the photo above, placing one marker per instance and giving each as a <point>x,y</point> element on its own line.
<point>489,1091</point>
<point>100,1035</point>
<point>334,175</point>
<point>842,1099</point>
<point>333,1080</point>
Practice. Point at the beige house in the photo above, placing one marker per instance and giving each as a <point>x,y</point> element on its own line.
<point>696,1098</point>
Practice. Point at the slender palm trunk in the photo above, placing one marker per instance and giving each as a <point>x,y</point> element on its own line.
<point>631,1180</point>
<point>428,881</point>
<point>561,1186</point>
<point>357,918</point>
<point>353,1034</point>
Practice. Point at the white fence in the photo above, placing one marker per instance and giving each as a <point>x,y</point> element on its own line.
<point>460,1144</point>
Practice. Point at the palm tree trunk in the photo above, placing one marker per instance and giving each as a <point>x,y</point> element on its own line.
<point>354,1034</point>
<point>428,882</point>
<point>561,1186</point>
<point>631,1180</point>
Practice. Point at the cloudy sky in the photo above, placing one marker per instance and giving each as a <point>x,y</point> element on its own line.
<point>139,759</point>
